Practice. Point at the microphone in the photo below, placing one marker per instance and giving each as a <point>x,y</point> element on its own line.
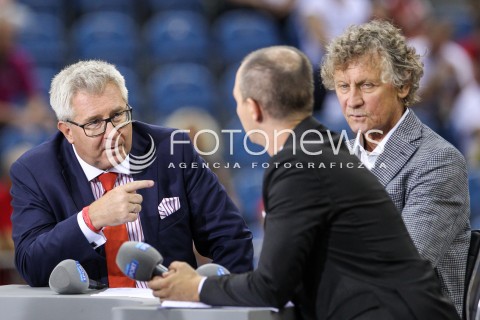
<point>140,261</point>
<point>212,269</point>
<point>69,277</point>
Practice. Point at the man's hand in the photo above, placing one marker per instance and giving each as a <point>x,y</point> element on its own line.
<point>179,283</point>
<point>120,205</point>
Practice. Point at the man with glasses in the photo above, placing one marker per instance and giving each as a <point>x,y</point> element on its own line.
<point>104,179</point>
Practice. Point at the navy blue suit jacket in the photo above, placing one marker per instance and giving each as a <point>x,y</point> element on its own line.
<point>49,188</point>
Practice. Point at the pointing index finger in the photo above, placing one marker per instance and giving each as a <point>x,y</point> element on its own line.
<point>136,185</point>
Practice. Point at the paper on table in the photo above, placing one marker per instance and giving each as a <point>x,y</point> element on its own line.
<point>127,292</point>
<point>287,305</point>
<point>147,293</point>
<point>200,305</point>
<point>184,304</point>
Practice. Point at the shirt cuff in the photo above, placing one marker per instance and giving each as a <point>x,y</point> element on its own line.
<point>200,285</point>
<point>95,239</point>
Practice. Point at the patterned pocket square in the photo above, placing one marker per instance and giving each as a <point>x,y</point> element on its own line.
<point>168,206</point>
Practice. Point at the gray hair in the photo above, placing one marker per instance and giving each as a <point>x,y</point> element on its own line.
<point>400,64</point>
<point>280,78</point>
<point>91,76</point>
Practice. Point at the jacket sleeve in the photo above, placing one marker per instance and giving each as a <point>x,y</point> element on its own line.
<point>436,207</point>
<point>293,218</point>
<point>42,238</point>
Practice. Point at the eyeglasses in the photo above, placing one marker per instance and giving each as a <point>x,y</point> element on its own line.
<point>96,128</point>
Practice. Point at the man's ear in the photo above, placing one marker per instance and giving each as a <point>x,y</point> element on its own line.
<point>66,130</point>
<point>403,91</point>
<point>255,110</point>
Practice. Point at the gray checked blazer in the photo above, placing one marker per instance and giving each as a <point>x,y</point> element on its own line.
<point>426,177</point>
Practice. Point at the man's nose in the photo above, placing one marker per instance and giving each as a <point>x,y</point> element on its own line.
<point>108,129</point>
<point>355,98</point>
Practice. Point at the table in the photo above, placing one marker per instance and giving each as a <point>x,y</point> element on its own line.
<point>22,302</point>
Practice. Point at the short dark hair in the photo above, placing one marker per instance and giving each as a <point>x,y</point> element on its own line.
<point>280,78</point>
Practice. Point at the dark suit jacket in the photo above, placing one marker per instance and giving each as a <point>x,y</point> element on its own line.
<point>334,243</point>
<point>49,189</point>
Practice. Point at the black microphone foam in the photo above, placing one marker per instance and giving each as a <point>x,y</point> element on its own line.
<point>212,269</point>
<point>69,277</point>
<point>140,261</point>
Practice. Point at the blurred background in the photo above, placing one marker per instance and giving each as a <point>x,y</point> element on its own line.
<point>179,59</point>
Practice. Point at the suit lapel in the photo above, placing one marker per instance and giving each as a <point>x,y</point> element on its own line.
<point>399,148</point>
<point>75,180</point>
<point>141,144</point>
<point>81,192</point>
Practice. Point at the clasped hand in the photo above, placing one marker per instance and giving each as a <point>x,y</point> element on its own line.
<point>180,283</point>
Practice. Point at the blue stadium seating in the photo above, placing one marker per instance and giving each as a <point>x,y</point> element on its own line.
<point>248,187</point>
<point>123,6</point>
<point>43,37</point>
<point>53,7</point>
<point>177,36</point>
<point>163,5</point>
<point>226,84</point>
<point>44,77</point>
<point>136,96</point>
<point>244,152</point>
<point>110,36</point>
<point>238,32</point>
<point>474,188</point>
<point>458,15</point>
<point>182,85</point>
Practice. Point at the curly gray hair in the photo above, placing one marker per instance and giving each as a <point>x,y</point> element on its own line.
<point>91,76</point>
<point>400,64</point>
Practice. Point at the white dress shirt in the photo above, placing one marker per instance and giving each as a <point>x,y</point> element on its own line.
<point>369,158</point>
<point>134,229</point>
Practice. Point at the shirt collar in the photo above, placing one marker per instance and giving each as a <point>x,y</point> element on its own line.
<point>92,172</point>
<point>358,144</point>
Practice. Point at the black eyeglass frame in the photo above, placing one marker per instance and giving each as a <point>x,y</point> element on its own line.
<point>105,122</point>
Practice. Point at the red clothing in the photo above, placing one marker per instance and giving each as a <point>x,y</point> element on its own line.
<point>16,77</point>
<point>5,208</point>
